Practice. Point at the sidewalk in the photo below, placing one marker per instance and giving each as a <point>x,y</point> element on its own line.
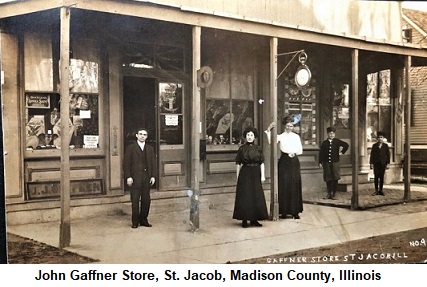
<point>393,195</point>
<point>221,239</point>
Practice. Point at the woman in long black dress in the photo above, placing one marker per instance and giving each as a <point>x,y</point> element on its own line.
<point>289,172</point>
<point>250,200</point>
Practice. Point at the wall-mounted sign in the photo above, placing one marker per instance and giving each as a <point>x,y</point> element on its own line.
<point>52,189</point>
<point>39,101</point>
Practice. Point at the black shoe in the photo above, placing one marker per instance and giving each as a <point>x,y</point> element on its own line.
<point>146,224</point>
<point>134,226</point>
<point>244,224</point>
<point>256,223</point>
<point>282,216</point>
<point>381,193</point>
<point>296,217</point>
<point>375,193</point>
<point>328,196</point>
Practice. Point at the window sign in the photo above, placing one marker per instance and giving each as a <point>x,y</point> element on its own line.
<point>41,101</point>
<point>90,141</point>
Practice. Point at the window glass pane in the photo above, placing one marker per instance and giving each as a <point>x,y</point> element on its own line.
<point>372,122</point>
<point>384,79</point>
<point>241,87</point>
<point>171,119</point>
<point>43,124</point>
<point>218,121</point>
<point>300,105</point>
<point>341,107</point>
<point>243,113</point>
<point>84,67</point>
<point>378,108</point>
<point>38,63</point>
<point>171,129</point>
<point>84,117</point>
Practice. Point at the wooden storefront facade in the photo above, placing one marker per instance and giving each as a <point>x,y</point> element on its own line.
<point>136,63</point>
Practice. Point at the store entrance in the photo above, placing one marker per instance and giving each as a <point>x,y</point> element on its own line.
<point>139,109</point>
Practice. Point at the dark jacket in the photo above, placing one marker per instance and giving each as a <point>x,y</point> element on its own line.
<point>331,152</point>
<point>380,155</point>
<point>133,164</point>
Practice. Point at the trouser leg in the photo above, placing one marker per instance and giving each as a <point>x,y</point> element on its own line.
<point>135,196</point>
<point>334,187</point>
<point>145,205</point>
<point>329,187</point>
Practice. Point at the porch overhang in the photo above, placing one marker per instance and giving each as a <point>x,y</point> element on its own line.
<point>143,9</point>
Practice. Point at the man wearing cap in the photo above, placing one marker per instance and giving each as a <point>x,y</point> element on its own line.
<point>379,159</point>
<point>329,160</point>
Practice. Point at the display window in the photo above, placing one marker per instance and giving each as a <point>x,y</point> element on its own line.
<point>300,105</point>
<point>378,105</point>
<point>43,102</point>
<point>43,122</point>
<point>226,120</point>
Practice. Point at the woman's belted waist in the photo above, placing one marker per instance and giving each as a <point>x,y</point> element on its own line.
<point>251,164</point>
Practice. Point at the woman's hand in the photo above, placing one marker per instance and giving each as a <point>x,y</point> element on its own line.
<point>271,126</point>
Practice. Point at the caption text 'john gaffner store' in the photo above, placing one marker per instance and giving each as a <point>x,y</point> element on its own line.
<point>133,64</point>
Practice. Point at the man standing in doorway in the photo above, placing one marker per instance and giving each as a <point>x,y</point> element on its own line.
<point>329,159</point>
<point>140,174</point>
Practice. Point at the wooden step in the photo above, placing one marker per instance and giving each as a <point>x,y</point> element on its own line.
<point>347,187</point>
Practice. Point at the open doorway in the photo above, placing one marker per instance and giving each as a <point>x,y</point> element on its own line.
<point>139,109</point>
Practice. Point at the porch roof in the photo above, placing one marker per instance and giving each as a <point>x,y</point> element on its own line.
<point>159,10</point>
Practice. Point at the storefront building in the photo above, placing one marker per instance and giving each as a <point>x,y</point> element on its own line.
<point>195,74</point>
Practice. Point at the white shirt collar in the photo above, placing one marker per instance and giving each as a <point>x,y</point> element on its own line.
<point>141,145</point>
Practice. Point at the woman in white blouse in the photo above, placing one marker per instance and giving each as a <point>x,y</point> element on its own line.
<point>289,173</point>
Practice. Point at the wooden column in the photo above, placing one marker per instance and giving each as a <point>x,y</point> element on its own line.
<point>65,230</point>
<point>195,132</point>
<point>274,201</point>
<point>407,152</point>
<point>355,128</point>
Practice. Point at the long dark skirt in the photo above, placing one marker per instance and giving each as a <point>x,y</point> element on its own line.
<point>250,200</point>
<point>290,188</point>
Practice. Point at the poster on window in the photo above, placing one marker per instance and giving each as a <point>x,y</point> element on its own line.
<point>170,98</point>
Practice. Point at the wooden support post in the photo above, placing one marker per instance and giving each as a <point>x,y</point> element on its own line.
<point>274,201</point>
<point>355,128</point>
<point>407,152</point>
<point>65,229</point>
<point>195,134</point>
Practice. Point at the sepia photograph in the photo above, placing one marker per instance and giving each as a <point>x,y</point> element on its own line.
<point>213,132</point>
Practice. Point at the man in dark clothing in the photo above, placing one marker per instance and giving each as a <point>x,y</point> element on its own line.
<point>379,159</point>
<point>329,160</point>
<point>140,173</point>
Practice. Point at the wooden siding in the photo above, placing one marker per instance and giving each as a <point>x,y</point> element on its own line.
<point>366,19</point>
<point>419,106</point>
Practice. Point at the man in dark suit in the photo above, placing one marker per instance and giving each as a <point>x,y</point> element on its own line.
<point>140,173</point>
<point>329,160</point>
<point>379,159</point>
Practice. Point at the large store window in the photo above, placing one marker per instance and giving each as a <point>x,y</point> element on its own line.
<point>43,103</point>
<point>227,119</point>
<point>300,104</point>
<point>378,101</point>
